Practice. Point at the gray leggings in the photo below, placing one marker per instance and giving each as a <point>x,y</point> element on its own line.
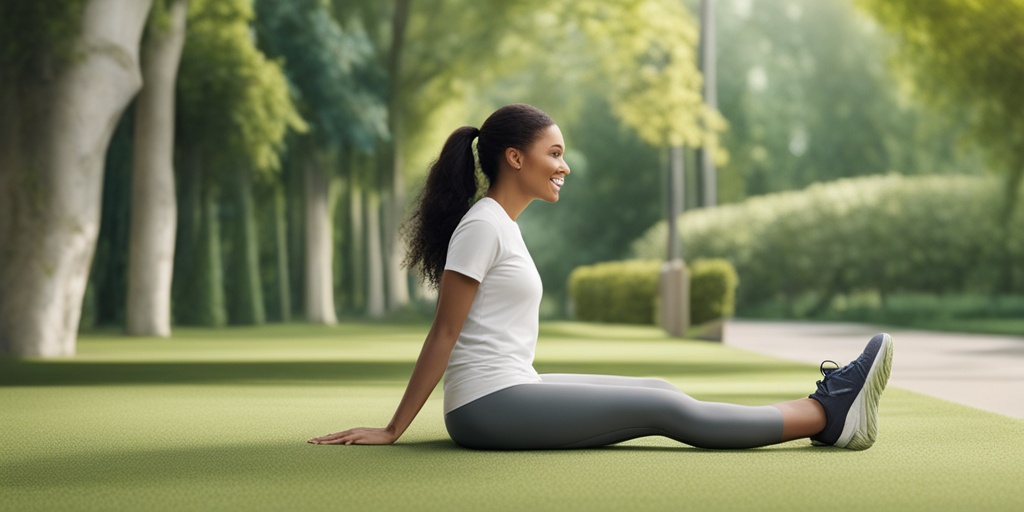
<point>584,411</point>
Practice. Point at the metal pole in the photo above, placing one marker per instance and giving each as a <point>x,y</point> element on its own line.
<point>674,310</point>
<point>676,184</point>
<point>707,64</point>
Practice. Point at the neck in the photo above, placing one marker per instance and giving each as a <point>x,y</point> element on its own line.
<point>512,202</point>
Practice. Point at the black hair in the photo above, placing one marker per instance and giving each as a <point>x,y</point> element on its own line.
<point>452,186</point>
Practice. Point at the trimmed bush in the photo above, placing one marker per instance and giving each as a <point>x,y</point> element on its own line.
<point>627,291</point>
<point>615,292</point>
<point>713,285</point>
<point>884,234</point>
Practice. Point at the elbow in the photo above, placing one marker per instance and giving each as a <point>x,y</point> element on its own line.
<point>444,336</point>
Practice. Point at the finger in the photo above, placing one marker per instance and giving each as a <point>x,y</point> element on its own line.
<point>329,437</point>
<point>340,440</point>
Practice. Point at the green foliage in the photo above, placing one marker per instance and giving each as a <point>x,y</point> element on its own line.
<point>713,285</point>
<point>331,70</point>
<point>615,292</point>
<point>925,311</point>
<point>627,291</point>
<point>827,92</point>
<point>808,98</point>
<point>233,102</point>
<point>37,37</point>
<point>646,53</point>
<point>966,57</point>
<point>159,17</point>
<point>887,234</point>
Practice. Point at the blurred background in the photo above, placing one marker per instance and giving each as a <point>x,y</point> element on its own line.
<point>830,139</point>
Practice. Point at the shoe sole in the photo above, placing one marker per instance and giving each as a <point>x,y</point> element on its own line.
<point>861,426</point>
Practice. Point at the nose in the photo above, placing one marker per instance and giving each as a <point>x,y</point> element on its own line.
<point>565,166</point>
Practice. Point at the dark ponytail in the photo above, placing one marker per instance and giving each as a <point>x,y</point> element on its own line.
<point>452,184</point>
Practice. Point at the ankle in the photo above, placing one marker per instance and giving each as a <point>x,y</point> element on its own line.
<point>801,418</point>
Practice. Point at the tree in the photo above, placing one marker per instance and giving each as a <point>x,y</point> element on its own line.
<point>808,98</point>
<point>70,68</point>
<point>234,111</point>
<point>427,66</point>
<point>330,69</point>
<point>154,206</point>
<point>647,53</point>
<point>967,58</point>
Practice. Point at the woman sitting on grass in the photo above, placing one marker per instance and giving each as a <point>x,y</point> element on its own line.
<point>485,328</point>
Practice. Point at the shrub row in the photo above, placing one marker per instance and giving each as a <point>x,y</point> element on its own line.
<point>888,234</point>
<point>627,291</point>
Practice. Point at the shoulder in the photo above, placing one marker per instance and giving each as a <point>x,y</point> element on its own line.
<point>482,216</point>
<point>486,209</point>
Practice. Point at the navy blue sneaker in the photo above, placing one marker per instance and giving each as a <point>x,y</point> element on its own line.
<point>850,396</point>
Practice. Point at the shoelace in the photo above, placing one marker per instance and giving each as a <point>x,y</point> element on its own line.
<point>826,374</point>
<point>826,371</point>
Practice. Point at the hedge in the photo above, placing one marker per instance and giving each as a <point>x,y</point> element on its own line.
<point>713,285</point>
<point>889,234</point>
<point>627,291</point>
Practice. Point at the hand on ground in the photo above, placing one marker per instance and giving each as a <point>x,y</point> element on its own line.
<point>357,436</point>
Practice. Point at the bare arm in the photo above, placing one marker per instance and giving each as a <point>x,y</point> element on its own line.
<point>456,297</point>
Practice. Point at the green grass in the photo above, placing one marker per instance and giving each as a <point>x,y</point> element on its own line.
<point>216,420</point>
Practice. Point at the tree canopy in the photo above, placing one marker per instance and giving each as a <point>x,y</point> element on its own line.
<point>647,54</point>
<point>967,58</point>
<point>330,67</point>
<point>233,101</point>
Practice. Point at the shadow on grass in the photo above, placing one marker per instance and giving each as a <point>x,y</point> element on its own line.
<point>69,373</point>
<point>290,463</point>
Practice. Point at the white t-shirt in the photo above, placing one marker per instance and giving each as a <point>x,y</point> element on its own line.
<point>496,347</point>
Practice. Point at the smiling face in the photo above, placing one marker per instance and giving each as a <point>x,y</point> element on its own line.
<point>542,167</point>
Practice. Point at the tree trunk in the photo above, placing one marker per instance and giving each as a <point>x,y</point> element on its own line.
<point>375,261</point>
<point>54,133</point>
<point>319,277</point>
<point>154,208</point>
<point>198,287</point>
<point>357,256</point>
<point>209,284</point>
<point>245,302</point>
<point>398,277</point>
<point>294,174</point>
<point>281,239</point>
<point>186,263</point>
<point>342,276</point>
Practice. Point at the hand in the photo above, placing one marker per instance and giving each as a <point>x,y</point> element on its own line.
<point>357,436</point>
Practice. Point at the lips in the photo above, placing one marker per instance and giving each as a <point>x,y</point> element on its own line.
<point>558,182</point>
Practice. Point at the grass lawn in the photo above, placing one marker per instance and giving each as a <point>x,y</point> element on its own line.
<point>217,420</point>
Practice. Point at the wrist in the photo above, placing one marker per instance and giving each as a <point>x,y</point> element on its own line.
<point>393,430</point>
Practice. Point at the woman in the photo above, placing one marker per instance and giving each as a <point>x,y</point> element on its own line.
<point>485,328</point>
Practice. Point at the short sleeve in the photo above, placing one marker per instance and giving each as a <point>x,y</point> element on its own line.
<point>473,249</point>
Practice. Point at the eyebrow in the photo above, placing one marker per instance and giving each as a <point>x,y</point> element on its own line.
<point>559,146</point>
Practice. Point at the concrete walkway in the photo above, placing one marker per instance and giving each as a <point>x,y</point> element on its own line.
<point>982,371</point>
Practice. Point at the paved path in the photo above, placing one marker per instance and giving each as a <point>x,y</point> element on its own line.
<point>982,371</point>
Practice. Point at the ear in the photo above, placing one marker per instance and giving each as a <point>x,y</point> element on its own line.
<point>514,158</point>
